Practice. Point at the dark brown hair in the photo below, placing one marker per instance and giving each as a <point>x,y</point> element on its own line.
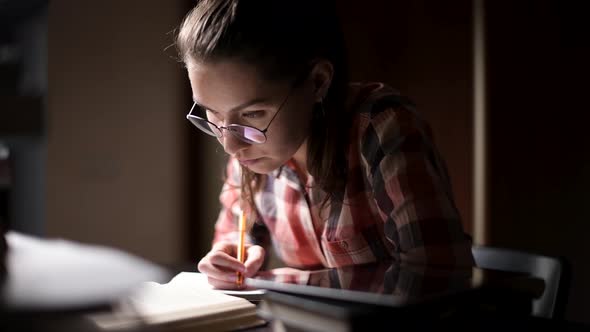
<point>281,39</point>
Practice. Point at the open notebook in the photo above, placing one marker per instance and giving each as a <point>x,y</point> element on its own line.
<point>187,302</point>
<point>199,280</point>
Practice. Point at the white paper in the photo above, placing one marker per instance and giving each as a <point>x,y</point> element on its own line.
<point>199,280</point>
<point>58,274</point>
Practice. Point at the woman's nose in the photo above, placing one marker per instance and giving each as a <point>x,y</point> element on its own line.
<point>232,144</point>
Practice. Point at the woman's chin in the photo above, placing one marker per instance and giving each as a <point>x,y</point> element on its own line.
<point>262,166</point>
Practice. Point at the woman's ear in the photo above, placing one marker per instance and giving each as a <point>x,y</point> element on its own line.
<point>321,78</point>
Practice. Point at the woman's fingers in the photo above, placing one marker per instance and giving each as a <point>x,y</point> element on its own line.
<point>220,266</point>
<point>223,260</point>
<point>228,247</point>
<point>254,260</point>
<point>215,272</point>
<point>221,284</point>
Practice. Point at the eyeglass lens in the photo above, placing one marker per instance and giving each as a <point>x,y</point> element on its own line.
<point>246,134</point>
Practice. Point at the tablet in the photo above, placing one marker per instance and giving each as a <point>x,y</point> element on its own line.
<point>388,284</point>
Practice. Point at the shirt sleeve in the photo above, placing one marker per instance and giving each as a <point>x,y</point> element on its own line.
<point>226,226</point>
<point>412,190</point>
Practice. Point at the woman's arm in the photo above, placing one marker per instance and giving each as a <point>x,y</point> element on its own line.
<point>226,226</point>
<point>220,264</point>
<point>412,190</point>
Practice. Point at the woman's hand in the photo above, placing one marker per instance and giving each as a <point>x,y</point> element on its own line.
<point>220,264</point>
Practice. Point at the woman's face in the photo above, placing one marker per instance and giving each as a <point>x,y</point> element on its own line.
<point>231,92</point>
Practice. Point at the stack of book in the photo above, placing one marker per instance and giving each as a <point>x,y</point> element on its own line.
<point>288,312</point>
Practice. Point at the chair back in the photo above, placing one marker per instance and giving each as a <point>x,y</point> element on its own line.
<point>555,271</point>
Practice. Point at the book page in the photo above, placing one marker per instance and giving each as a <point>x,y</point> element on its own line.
<point>199,280</point>
<point>154,298</point>
<point>185,300</point>
<point>165,302</point>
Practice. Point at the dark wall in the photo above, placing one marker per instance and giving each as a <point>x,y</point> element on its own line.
<point>538,68</point>
<point>423,49</point>
<point>116,157</point>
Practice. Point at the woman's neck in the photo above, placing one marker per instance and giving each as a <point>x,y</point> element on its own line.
<point>300,160</point>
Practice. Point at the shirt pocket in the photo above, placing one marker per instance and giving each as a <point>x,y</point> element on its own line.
<point>347,251</point>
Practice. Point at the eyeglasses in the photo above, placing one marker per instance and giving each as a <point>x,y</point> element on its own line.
<point>247,134</point>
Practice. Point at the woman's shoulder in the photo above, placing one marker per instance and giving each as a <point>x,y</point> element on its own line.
<point>370,98</point>
<point>381,108</point>
<point>382,118</point>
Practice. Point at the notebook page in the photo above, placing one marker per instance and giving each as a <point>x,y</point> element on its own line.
<point>199,281</point>
<point>158,303</point>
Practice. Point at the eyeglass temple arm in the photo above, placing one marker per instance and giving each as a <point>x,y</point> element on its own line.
<point>190,113</point>
<point>278,110</point>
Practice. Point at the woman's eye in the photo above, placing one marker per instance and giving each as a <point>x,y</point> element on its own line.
<point>213,116</point>
<point>253,114</point>
<point>211,113</point>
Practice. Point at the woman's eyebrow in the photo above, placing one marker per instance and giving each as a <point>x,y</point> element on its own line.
<point>239,107</point>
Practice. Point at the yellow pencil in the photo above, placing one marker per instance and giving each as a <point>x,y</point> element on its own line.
<point>242,230</point>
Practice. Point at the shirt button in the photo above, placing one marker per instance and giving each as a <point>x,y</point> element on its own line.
<point>344,245</point>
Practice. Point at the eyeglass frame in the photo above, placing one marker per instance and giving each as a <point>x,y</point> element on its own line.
<point>229,126</point>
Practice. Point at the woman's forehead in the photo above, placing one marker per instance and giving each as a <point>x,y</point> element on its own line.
<point>225,83</point>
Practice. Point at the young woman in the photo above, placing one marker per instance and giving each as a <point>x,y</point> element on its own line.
<point>331,173</point>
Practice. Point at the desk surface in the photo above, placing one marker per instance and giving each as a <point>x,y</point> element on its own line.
<point>398,284</point>
<point>76,322</point>
<point>375,284</point>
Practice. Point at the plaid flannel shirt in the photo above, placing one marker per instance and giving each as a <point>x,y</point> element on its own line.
<point>398,202</point>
